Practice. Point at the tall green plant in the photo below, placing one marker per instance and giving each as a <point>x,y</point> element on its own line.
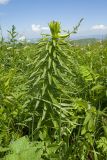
<point>49,79</point>
<point>12,35</point>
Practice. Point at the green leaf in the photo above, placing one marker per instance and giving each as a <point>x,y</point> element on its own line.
<point>49,78</point>
<point>52,98</point>
<point>39,123</point>
<point>54,43</point>
<point>52,149</point>
<point>47,46</point>
<point>54,67</point>
<point>55,123</point>
<point>98,88</point>
<point>50,49</point>
<point>102,144</point>
<point>49,62</point>
<point>44,89</point>
<point>44,72</point>
<point>3,149</point>
<point>83,131</point>
<point>91,125</point>
<point>44,112</point>
<point>54,54</point>
<point>60,61</point>
<point>95,155</point>
<point>86,73</point>
<point>36,82</point>
<point>43,135</point>
<point>56,83</point>
<point>41,61</point>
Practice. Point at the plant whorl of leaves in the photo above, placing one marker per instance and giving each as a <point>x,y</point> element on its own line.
<point>48,78</point>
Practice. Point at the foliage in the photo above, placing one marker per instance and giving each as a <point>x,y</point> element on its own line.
<point>53,98</point>
<point>22,149</point>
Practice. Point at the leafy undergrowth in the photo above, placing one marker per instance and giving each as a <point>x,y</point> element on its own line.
<point>53,98</point>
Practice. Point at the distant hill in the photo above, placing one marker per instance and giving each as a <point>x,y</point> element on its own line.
<point>80,40</point>
<point>85,41</point>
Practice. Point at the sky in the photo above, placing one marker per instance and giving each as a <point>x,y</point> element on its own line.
<point>31,17</point>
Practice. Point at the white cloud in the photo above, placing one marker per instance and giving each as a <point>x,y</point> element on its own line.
<point>22,38</point>
<point>38,28</point>
<point>99,27</point>
<point>45,28</point>
<point>4,1</point>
